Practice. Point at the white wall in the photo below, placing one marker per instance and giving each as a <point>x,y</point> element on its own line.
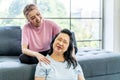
<point>108,24</point>
<point>112,25</point>
<point>117,26</point>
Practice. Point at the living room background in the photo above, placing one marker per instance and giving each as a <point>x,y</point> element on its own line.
<point>83,17</point>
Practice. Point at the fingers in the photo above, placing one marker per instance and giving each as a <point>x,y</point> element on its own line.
<point>45,60</point>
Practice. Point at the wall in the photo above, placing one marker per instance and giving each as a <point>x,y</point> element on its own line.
<point>117,26</point>
<point>108,24</point>
<point>112,25</point>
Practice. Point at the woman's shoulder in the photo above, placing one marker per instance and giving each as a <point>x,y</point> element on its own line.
<point>27,26</point>
<point>43,65</point>
<point>78,69</point>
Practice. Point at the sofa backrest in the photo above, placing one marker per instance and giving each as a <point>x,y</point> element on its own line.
<point>10,40</point>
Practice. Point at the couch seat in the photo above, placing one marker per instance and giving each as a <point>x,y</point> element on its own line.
<point>98,62</point>
<point>12,69</point>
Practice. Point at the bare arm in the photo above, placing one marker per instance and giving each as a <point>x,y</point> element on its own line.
<point>39,56</point>
<point>28,52</point>
<point>81,77</point>
<point>38,78</point>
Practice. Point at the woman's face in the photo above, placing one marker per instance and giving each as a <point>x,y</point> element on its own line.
<point>61,43</point>
<point>34,17</point>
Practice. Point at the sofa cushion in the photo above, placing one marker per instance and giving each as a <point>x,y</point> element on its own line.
<point>12,69</point>
<point>99,62</point>
<point>10,40</point>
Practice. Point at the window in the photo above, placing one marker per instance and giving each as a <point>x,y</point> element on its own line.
<point>84,17</point>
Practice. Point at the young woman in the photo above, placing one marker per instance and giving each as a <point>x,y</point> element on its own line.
<point>37,34</point>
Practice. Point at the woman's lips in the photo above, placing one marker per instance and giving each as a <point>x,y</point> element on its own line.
<point>59,47</point>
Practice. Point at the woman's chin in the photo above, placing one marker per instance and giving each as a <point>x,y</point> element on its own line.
<point>37,25</point>
<point>58,51</point>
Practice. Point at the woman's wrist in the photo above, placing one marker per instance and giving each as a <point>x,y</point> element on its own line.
<point>36,54</point>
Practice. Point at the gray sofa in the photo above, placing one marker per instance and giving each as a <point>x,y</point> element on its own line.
<point>96,64</point>
<point>10,49</point>
<point>99,64</point>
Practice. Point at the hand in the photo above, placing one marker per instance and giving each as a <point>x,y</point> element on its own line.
<point>42,58</point>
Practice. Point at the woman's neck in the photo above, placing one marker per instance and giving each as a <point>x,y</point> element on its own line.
<point>58,57</point>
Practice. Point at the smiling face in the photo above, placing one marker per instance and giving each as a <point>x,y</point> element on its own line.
<point>61,43</point>
<point>34,17</point>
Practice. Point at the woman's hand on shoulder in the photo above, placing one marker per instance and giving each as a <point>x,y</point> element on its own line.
<point>42,58</point>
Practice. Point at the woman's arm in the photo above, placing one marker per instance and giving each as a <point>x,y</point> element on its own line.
<point>39,56</point>
<point>81,77</point>
<point>27,51</point>
<point>41,71</point>
<point>39,78</point>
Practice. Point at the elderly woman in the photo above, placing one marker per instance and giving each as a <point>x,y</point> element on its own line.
<point>63,66</point>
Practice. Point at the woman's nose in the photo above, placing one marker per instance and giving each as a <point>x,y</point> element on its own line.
<point>61,43</point>
<point>37,18</point>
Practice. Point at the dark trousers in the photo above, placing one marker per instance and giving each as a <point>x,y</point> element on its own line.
<point>30,60</point>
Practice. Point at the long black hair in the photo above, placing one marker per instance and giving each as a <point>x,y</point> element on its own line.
<point>68,54</point>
